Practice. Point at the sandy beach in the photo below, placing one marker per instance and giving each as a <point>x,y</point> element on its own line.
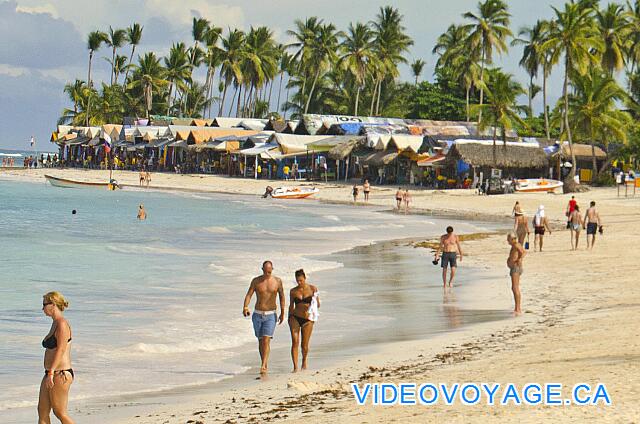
<point>579,325</point>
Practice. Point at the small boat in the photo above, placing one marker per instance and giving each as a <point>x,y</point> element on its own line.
<point>62,182</point>
<point>293,192</point>
<point>537,185</point>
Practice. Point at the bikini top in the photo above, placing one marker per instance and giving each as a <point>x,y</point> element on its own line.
<point>51,342</point>
<point>303,300</point>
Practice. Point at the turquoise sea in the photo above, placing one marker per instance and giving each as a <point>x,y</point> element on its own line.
<point>156,305</point>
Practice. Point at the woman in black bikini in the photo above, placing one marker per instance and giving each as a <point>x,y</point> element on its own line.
<point>58,374</point>
<point>300,298</point>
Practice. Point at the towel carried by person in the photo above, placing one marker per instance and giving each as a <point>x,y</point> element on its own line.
<point>539,216</point>
<point>313,308</point>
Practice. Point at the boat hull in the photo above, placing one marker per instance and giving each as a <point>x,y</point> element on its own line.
<point>538,186</point>
<point>293,193</point>
<point>64,183</point>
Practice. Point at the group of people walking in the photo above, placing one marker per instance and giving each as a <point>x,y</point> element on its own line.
<point>402,197</point>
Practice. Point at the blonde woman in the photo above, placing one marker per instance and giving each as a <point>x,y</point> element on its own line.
<point>58,374</point>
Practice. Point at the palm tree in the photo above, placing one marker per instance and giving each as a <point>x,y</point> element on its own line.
<point>259,64</point>
<point>460,58</point>
<point>213,59</point>
<point>134,36</point>
<point>390,44</point>
<point>199,29</point>
<point>532,54</point>
<point>149,76</point>
<point>593,112</point>
<point>178,70</point>
<point>450,45</point>
<point>115,39</point>
<point>572,35</point>
<point>357,53</point>
<point>286,65</point>
<point>632,49</point>
<point>94,40</point>
<point>118,67</point>
<point>323,53</point>
<point>232,55</point>
<point>79,116</point>
<point>614,28</point>
<point>501,110</point>
<point>196,100</point>
<point>305,35</point>
<point>488,30</point>
<point>416,68</point>
<point>75,92</point>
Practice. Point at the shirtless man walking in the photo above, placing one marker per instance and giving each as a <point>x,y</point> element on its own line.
<point>514,262</point>
<point>450,248</point>
<point>266,287</point>
<point>591,222</point>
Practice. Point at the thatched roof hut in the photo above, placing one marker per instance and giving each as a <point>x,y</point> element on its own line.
<point>515,155</point>
<point>582,151</point>
<point>342,150</point>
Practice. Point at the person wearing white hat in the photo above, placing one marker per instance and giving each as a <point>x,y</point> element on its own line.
<point>540,224</point>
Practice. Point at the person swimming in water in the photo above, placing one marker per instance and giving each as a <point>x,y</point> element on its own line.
<point>142,214</point>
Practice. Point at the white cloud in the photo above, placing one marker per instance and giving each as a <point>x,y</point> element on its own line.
<point>12,71</point>
<point>46,8</point>
<point>181,13</point>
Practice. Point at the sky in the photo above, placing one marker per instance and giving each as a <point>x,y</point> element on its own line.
<point>44,42</point>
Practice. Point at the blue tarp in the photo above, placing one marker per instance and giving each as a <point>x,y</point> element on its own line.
<point>550,150</point>
<point>462,166</point>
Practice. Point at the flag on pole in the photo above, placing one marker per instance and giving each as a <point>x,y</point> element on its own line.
<point>107,143</point>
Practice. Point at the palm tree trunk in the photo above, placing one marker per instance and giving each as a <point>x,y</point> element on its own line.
<point>495,159</point>
<point>304,87</point>
<point>373,96</point>
<point>467,105</point>
<point>89,85</point>
<point>270,91</point>
<point>378,101</point>
<point>238,100</point>
<point>593,156</point>
<point>126,75</point>
<point>355,112</point>
<point>233,99</point>
<point>481,85</point>
<point>286,101</point>
<point>113,62</point>
<point>210,96</point>
<point>207,82</point>
<point>224,94</point>
<point>279,92</point>
<point>530,96</point>
<point>313,86</point>
<point>570,187</point>
<point>169,98</point>
<point>544,103</point>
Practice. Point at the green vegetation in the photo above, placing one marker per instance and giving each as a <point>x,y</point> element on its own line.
<point>355,71</point>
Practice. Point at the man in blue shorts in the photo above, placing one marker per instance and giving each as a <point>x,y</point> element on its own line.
<point>266,288</point>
